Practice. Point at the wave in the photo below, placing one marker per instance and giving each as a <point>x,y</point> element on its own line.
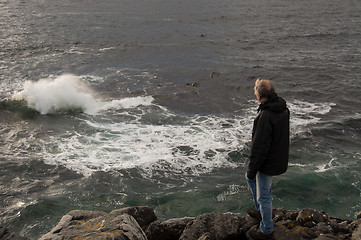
<point>68,92</point>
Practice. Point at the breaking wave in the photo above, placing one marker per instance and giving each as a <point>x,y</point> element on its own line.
<point>68,92</point>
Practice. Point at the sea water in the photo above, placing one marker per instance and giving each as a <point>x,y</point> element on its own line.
<point>112,104</point>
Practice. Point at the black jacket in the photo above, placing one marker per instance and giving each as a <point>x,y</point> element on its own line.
<point>270,138</point>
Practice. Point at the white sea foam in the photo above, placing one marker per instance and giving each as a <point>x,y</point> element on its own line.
<point>69,92</point>
<point>332,164</point>
<point>197,146</point>
<point>126,103</point>
<point>306,114</point>
<point>178,145</point>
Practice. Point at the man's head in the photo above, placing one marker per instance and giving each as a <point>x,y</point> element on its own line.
<point>263,89</point>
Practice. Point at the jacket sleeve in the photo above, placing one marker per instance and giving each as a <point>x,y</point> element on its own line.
<point>261,142</point>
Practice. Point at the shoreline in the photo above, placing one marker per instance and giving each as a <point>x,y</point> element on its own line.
<point>141,223</point>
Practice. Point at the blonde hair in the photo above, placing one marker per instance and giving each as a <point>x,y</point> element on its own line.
<point>263,88</point>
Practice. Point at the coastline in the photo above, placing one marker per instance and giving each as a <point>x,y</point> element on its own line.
<point>141,223</point>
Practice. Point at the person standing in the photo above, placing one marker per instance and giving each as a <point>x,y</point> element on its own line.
<point>269,154</point>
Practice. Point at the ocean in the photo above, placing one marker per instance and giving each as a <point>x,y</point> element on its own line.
<point>116,103</point>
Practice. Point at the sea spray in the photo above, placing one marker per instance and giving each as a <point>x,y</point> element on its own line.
<point>62,93</point>
<point>68,92</point>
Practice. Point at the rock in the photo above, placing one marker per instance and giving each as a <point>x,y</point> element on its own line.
<point>85,215</point>
<point>168,230</point>
<point>215,74</point>
<point>140,223</point>
<point>205,236</point>
<point>103,227</point>
<point>340,227</point>
<point>327,236</point>
<point>246,224</point>
<point>288,229</point>
<point>195,84</point>
<point>63,223</point>
<point>213,226</point>
<point>359,215</point>
<point>143,215</point>
<point>355,224</point>
<point>6,235</point>
<point>281,233</point>
<point>291,215</point>
<point>356,235</point>
<point>322,228</point>
<point>278,214</point>
<point>309,215</point>
<point>119,224</point>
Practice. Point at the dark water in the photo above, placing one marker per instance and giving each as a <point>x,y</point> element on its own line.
<point>151,103</point>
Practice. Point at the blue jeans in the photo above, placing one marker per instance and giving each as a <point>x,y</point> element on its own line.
<point>261,190</point>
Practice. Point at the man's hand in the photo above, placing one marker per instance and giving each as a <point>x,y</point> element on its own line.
<point>250,175</point>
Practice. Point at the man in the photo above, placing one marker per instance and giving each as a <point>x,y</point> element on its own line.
<point>269,154</point>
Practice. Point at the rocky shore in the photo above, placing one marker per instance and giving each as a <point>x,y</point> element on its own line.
<point>141,223</point>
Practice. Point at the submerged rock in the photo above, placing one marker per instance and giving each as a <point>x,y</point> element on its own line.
<point>140,223</point>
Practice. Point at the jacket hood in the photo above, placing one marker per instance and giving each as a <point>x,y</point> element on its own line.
<point>274,103</point>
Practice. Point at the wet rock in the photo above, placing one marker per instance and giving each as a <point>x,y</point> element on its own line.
<point>235,156</point>
<point>215,74</point>
<point>195,84</point>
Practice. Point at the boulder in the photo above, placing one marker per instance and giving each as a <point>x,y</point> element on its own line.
<point>213,226</point>
<point>167,230</point>
<point>99,225</point>
<point>103,227</point>
<point>143,214</point>
<point>72,218</point>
